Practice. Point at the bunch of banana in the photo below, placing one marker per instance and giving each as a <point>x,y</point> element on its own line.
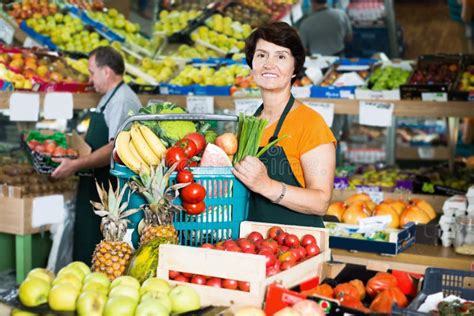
<point>139,148</point>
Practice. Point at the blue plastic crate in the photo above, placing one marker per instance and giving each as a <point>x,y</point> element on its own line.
<point>212,90</point>
<point>226,203</point>
<point>332,92</point>
<point>39,38</point>
<point>171,89</point>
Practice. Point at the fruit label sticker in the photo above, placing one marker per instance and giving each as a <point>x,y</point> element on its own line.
<point>29,43</point>
<point>200,105</point>
<point>375,113</point>
<point>24,107</point>
<point>247,106</point>
<point>434,96</point>
<point>326,110</point>
<point>301,92</point>
<point>47,210</point>
<point>6,31</point>
<point>58,105</point>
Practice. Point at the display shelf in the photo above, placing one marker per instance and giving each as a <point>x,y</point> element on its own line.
<point>414,259</point>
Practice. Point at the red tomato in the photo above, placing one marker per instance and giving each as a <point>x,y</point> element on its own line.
<point>308,240</point>
<point>296,253</point>
<point>274,231</point>
<point>193,193</point>
<point>230,284</point>
<point>49,142</point>
<point>187,274</point>
<point>40,149</point>
<point>244,286</point>
<point>254,237</point>
<point>280,238</point>
<point>292,241</point>
<point>173,274</point>
<point>207,246</point>
<point>215,282</point>
<point>33,143</point>
<point>287,257</point>
<point>233,249</point>
<point>272,244</point>
<point>199,140</point>
<point>176,155</point>
<point>272,270</point>
<point>73,153</point>
<point>59,152</point>
<point>312,250</point>
<point>188,146</point>
<point>50,147</point>
<point>286,265</point>
<point>193,164</point>
<point>229,242</point>
<point>247,246</point>
<point>199,279</point>
<point>269,257</point>
<point>181,278</point>
<point>194,208</point>
<point>185,176</point>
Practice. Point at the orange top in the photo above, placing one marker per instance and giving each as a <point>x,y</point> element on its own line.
<point>306,130</point>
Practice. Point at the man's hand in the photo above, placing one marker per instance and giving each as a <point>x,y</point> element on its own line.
<point>66,168</point>
<point>253,174</point>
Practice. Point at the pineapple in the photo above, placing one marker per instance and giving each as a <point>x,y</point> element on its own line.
<point>159,212</point>
<point>112,255</point>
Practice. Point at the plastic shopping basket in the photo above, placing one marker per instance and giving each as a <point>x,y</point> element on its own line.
<point>226,197</point>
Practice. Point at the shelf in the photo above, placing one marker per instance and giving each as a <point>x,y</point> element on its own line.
<point>402,108</point>
<point>415,259</point>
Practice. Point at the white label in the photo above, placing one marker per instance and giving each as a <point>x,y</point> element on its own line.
<point>346,94</point>
<point>154,101</point>
<point>200,105</point>
<point>301,92</point>
<point>58,105</point>
<point>434,96</point>
<point>297,11</point>
<point>373,224</point>
<point>375,194</point>
<point>24,106</point>
<point>47,210</point>
<point>164,90</point>
<point>326,110</point>
<point>375,113</point>
<point>6,31</point>
<point>247,106</point>
<point>426,152</point>
<point>29,43</point>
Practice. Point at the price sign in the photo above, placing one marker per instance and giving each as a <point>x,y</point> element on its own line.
<point>434,96</point>
<point>29,43</point>
<point>24,107</point>
<point>58,105</point>
<point>47,210</point>
<point>247,106</point>
<point>374,192</point>
<point>301,92</point>
<point>375,113</point>
<point>200,105</point>
<point>326,110</point>
<point>6,31</point>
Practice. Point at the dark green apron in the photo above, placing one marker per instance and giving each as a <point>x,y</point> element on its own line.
<point>262,209</point>
<point>87,224</point>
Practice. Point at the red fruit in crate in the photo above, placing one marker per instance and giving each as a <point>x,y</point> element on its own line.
<point>283,249</point>
<point>193,193</point>
<point>280,238</point>
<point>302,252</point>
<point>272,270</point>
<point>176,155</point>
<point>194,208</point>
<point>381,281</point>
<point>185,176</point>
<point>312,250</point>
<point>189,147</point>
<point>199,140</point>
<point>230,284</point>
<point>50,147</point>
<point>187,274</point>
<point>219,247</point>
<point>215,282</point>
<point>207,246</point>
<point>181,278</point>
<point>287,256</point>
<point>173,274</point>
<point>72,153</point>
<point>59,152</point>
<point>33,143</point>
<point>271,244</point>
<point>292,241</point>
<point>40,149</point>
<point>254,237</point>
<point>308,240</point>
<point>296,253</point>
<point>258,244</point>
<point>247,246</point>
<point>244,286</point>
<point>198,279</point>
<point>233,249</point>
<point>286,265</point>
<point>229,242</point>
<point>274,231</point>
<point>269,257</point>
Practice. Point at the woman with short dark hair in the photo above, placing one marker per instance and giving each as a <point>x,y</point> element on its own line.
<point>292,183</point>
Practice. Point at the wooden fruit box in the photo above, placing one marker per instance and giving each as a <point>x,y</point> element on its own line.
<point>241,266</point>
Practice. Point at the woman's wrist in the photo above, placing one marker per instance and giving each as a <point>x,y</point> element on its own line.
<point>273,190</point>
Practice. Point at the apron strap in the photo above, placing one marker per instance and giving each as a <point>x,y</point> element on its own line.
<point>111,96</point>
<point>287,109</point>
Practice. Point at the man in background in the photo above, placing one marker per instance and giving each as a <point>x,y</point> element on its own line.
<point>326,30</point>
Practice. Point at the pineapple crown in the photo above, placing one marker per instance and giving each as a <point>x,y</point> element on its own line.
<point>113,210</point>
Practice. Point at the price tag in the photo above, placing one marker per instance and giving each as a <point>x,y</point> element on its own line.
<point>426,152</point>
<point>434,96</point>
<point>6,31</point>
<point>154,101</point>
<point>24,107</point>
<point>374,192</point>
<point>375,113</point>
<point>200,105</point>
<point>58,105</point>
<point>29,43</point>
<point>326,110</point>
<point>346,94</point>
<point>47,210</point>
<point>301,92</point>
<point>247,106</point>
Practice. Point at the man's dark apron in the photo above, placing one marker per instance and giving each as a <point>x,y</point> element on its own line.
<point>87,224</point>
<point>279,169</point>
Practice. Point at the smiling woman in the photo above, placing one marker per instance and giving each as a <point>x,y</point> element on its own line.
<point>292,182</point>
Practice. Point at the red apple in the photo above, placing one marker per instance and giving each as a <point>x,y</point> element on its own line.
<point>254,237</point>
<point>230,284</point>
<point>280,238</point>
<point>308,240</point>
<point>269,257</point>
<point>215,282</point>
<point>274,231</point>
<point>292,241</point>
<point>198,279</point>
<point>244,286</point>
<point>312,250</point>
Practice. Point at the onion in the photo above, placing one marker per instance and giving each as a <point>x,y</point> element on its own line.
<point>308,308</point>
<point>227,142</point>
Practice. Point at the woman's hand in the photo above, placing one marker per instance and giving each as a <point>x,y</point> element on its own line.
<point>65,169</point>
<point>253,174</point>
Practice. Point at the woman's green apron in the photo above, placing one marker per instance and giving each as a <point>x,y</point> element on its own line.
<point>87,225</point>
<point>279,169</point>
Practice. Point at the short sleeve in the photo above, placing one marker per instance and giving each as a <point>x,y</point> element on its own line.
<point>348,26</point>
<point>118,111</point>
<point>315,132</point>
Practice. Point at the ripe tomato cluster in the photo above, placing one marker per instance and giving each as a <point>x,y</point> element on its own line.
<point>50,148</point>
<point>193,194</point>
<point>184,150</point>
<point>209,281</point>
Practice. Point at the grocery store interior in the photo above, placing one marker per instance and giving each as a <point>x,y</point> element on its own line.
<point>391,80</point>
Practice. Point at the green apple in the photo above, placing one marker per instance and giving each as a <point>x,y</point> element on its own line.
<point>158,296</point>
<point>151,307</point>
<point>62,297</point>
<point>95,287</point>
<point>97,277</point>
<point>17,312</point>
<point>120,306</point>
<point>81,266</point>
<point>155,285</point>
<point>125,280</point>
<point>33,291</point>
<point>70,278</point>
<point>41,273</point>
<point>79,274</point>
<point>90,303</point>
<point>125,290</point>
<point>184,299</point>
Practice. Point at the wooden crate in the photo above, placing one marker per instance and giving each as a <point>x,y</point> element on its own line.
<point>241,266</point>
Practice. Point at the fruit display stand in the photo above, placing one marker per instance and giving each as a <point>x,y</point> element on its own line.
<point>240,266</point>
